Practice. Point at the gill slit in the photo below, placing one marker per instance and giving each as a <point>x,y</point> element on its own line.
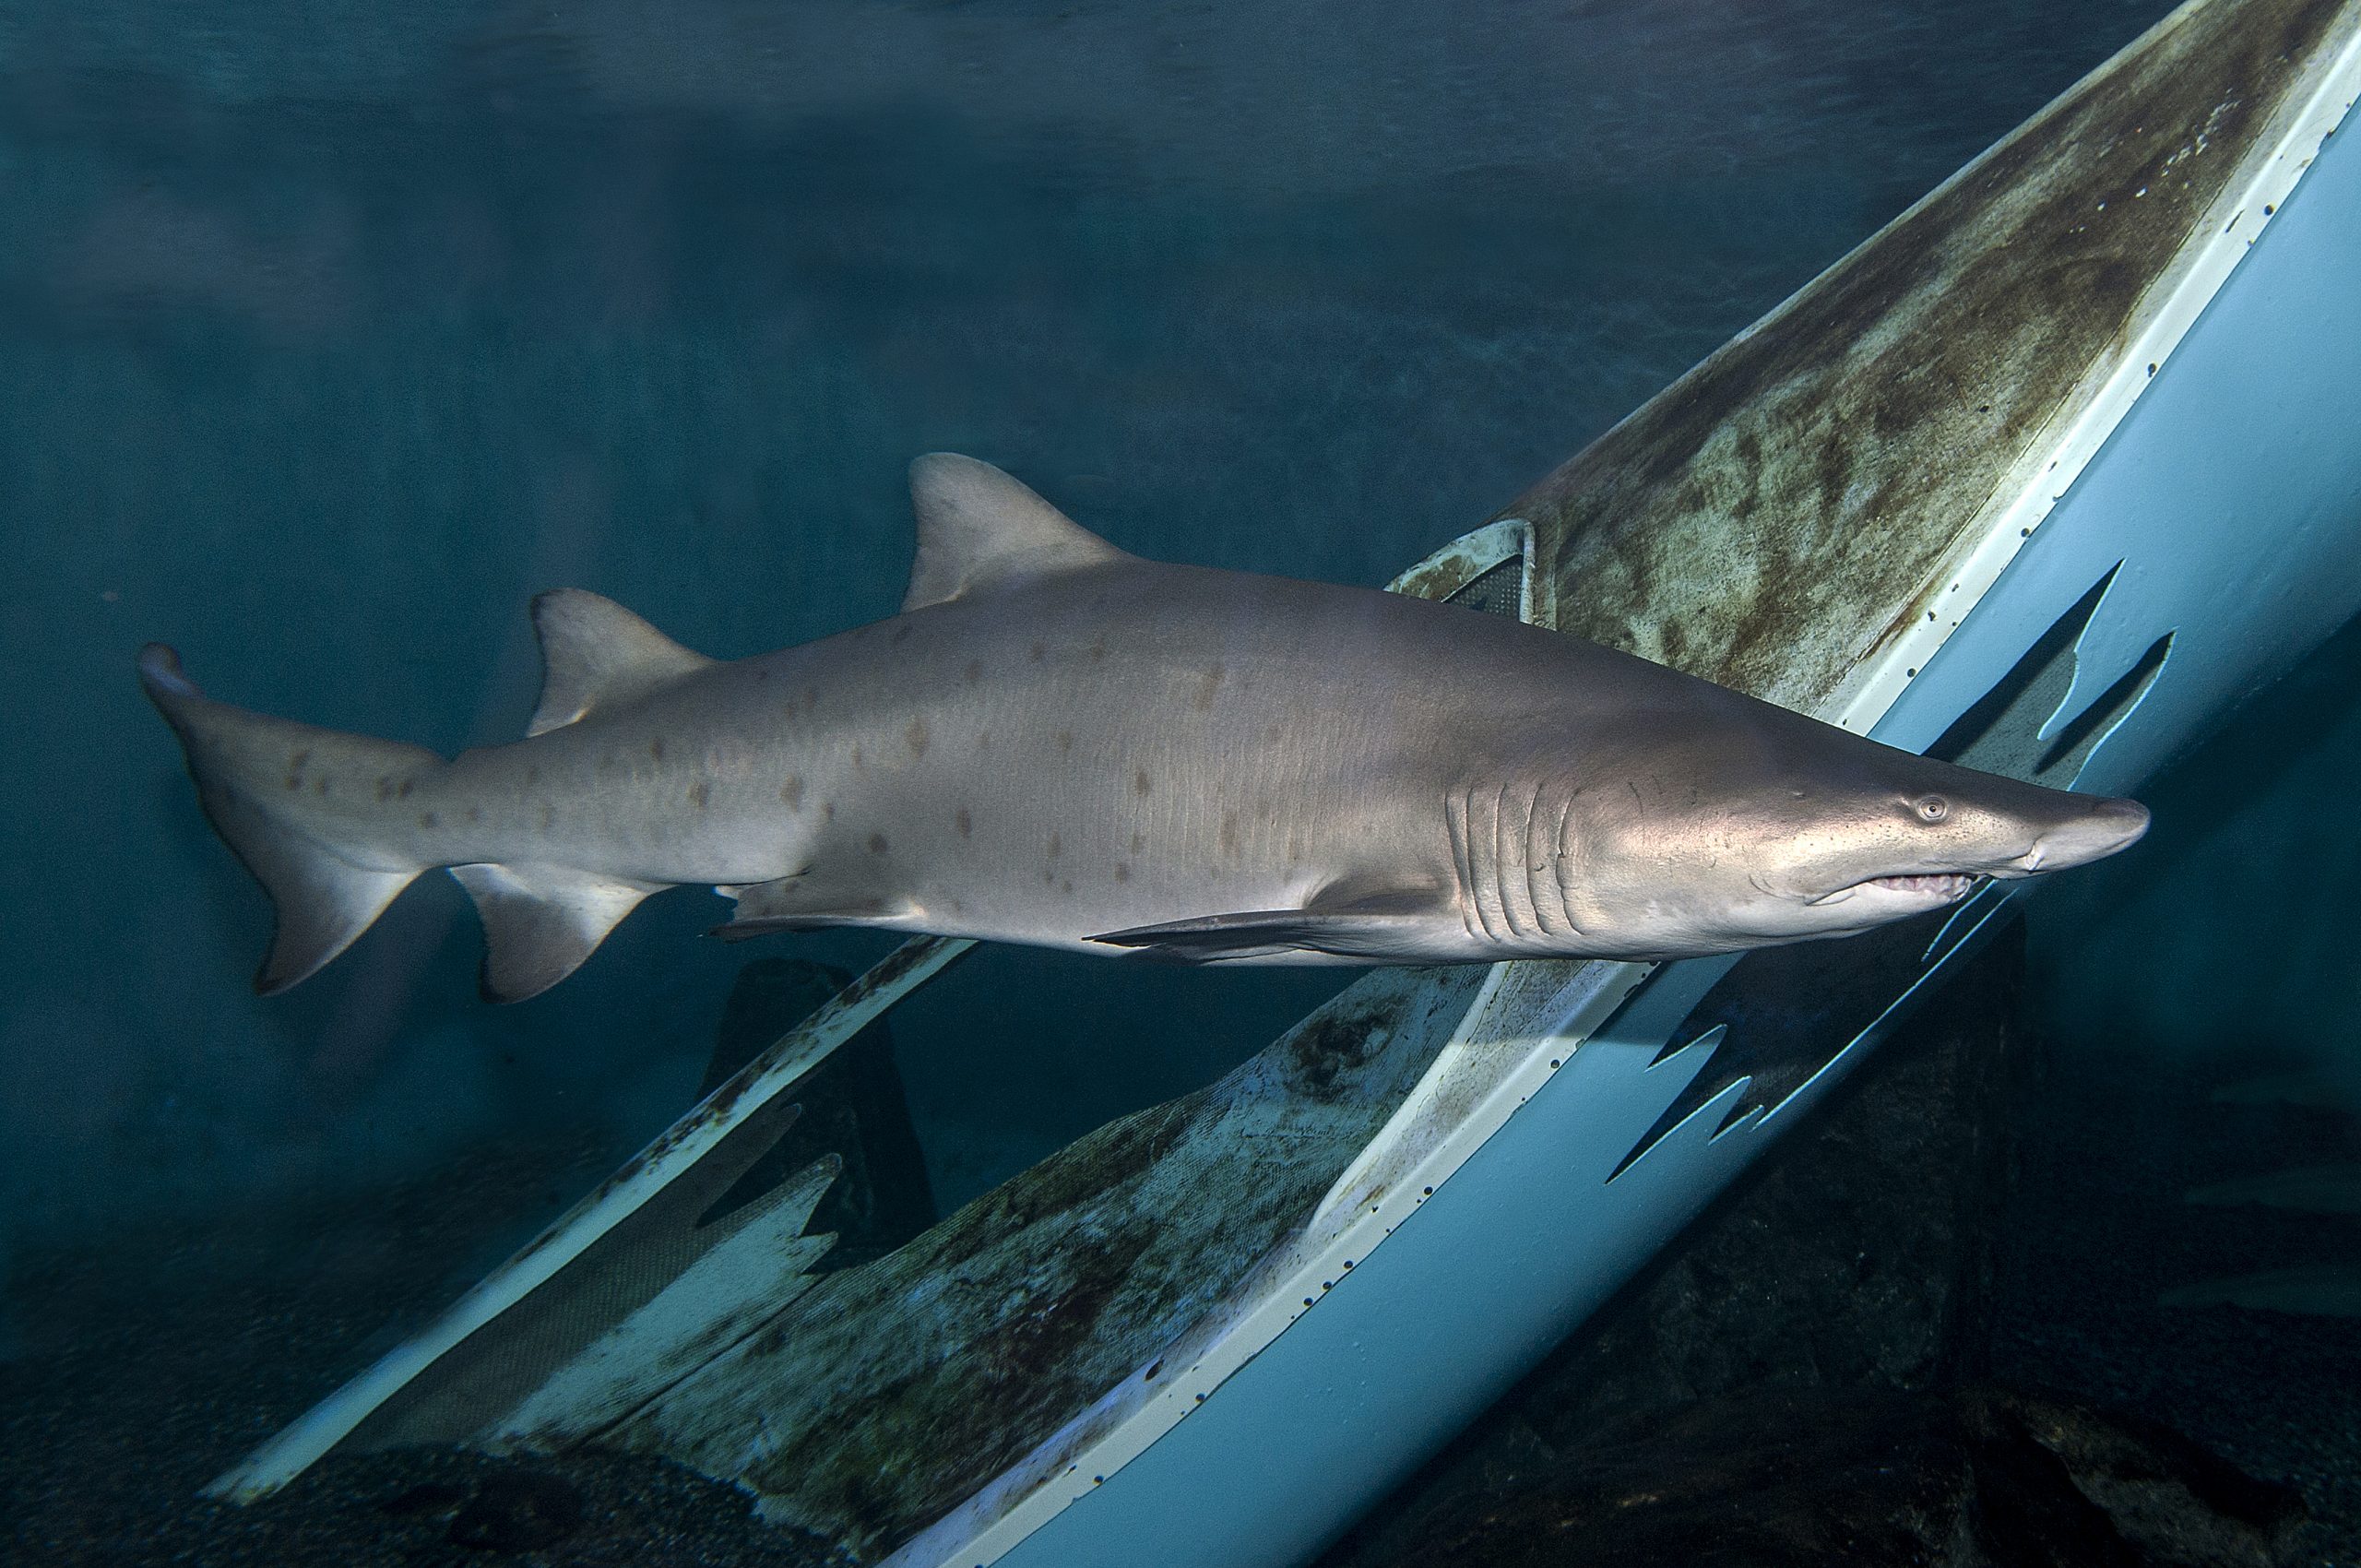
<point>1483,840</point>
<point>1476,844</point>
<point>1501,806</point>
<point>1455,812</point>
<point>1541,865</point>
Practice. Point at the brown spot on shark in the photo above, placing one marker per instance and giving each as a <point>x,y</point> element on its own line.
<point>1141,783</point>
<point>963,822</point>
<point>877,845</point>
<point>790,793</point>
<point>700,794</point>
<point>914,737</point>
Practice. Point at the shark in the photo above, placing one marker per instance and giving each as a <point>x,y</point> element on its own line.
<point>1059,742</point>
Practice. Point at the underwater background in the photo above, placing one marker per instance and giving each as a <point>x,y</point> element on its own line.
<point>329,334</point>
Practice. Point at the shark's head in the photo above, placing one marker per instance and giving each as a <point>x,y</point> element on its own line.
<point>1809,833</point>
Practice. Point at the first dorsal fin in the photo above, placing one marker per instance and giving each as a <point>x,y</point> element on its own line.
<point>595,654</point>
<point>978,528</point>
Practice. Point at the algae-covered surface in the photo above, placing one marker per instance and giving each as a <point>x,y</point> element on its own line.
<point>1781,512</point>
<point>153,1363</point>
<point>888,1393</point>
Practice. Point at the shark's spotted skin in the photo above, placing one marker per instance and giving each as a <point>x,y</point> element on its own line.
<point>1060,744</point>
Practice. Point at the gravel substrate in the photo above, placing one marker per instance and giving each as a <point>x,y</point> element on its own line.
<point>139,1374</point>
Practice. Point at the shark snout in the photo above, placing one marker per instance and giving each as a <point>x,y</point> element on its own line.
<point>2074,830</point>
<point>2105,827</point>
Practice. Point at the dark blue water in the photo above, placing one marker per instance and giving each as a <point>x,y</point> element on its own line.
<point>329,341</point>
<point>329,334</point>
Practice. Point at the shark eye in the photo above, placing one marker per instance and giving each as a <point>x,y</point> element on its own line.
<point>1933,808</point>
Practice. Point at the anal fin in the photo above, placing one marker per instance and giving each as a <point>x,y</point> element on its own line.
<point>539,922</point>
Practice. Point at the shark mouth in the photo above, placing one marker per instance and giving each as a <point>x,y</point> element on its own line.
<point>1948,884</point>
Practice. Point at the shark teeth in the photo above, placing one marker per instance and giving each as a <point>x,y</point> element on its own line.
<point>1948,884</point>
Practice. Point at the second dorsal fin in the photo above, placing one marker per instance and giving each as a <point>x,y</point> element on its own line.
<point>977,528</point>
<point>596,654</point>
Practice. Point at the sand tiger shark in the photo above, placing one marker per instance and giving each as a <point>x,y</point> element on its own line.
<point>1059,742</point>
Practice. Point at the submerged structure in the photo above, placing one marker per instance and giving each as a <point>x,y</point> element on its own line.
<point>2042,479</point>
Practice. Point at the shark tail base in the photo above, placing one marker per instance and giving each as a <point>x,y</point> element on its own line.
<point>284,797</point>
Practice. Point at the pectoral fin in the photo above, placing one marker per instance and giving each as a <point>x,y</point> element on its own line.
<point>804,902</point>
<point>1373,930</point>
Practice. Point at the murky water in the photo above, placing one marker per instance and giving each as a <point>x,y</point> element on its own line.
<point>328,335</point>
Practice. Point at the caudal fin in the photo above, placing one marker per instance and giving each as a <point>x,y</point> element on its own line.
<point>304,809</point>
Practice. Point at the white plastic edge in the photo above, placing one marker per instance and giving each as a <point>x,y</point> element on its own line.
<point>968,1536</point>
<point>326,1424</point>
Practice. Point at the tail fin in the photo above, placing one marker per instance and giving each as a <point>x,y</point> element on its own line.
<point>301,807</point>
